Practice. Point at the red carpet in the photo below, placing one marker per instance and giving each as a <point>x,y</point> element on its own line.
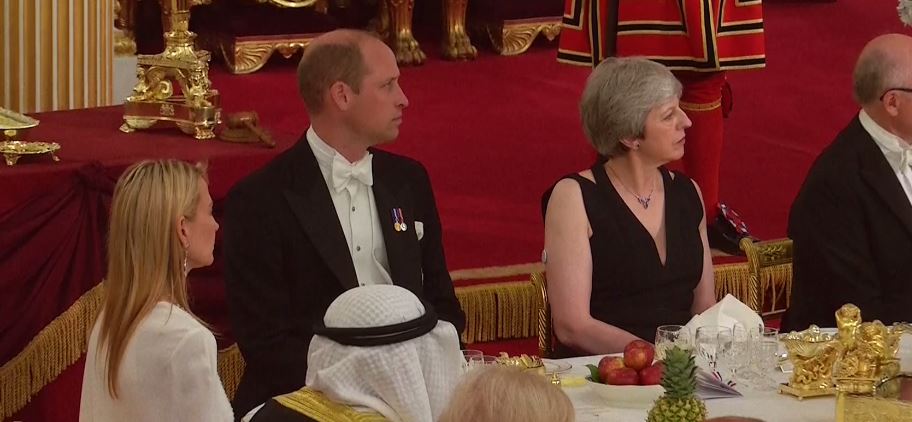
<point>496,132</point>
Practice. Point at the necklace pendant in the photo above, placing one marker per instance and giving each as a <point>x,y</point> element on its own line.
<point>644,202</point>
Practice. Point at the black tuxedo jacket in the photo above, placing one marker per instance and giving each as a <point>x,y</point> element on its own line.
<point>852,228</point>
<point>286,260</point>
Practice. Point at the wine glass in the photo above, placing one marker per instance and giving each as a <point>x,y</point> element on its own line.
<point>472,359</point>
<point>711,342</point>
<point>737,358</point>
<point>669,336</point>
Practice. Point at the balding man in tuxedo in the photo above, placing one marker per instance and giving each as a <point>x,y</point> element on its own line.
<point>852,219</point>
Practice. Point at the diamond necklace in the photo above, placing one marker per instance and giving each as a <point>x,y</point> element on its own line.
<point>644,201</point>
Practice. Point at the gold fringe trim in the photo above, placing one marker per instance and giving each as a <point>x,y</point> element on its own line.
<point>497,271</point>
<point>318,407</point>
<point>502,310</point>
<point>776,283</point>
<point>701,106</point>
<point>499,310</point>
<point>230,368</point>
<point>50,352</point>
<point>734,279</point>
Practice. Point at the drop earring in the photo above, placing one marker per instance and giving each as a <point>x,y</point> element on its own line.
<point>186,264</point>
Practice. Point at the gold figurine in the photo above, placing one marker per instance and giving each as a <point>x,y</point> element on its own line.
<point>860,361</point>
<point>813,354</point>
<point>195,109</point>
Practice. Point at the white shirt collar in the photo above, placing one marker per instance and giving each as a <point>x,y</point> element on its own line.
<point>892,146</point>
<point>322,151</point>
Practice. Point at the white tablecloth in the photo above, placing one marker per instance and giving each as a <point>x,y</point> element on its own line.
<point>769,406</point>
<point>766,405</point>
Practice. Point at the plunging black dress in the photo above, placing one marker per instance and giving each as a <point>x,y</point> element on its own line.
<point>631,288</point>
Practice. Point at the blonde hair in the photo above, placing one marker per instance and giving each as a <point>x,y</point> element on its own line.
<point>146,260</point>
<point>501,394</point>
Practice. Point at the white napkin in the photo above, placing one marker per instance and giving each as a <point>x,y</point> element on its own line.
<point>726,313</point>
<point>905,352</point>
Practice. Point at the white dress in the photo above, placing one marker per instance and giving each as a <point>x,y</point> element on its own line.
<point>168,373</point>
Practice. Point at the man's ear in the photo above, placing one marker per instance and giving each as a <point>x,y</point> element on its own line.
<point>890,101</point>
<point>341,95</point>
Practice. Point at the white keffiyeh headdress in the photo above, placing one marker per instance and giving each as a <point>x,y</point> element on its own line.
<point>409,381</point>
<point>905,11</point>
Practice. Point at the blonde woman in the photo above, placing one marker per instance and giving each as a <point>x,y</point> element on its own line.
<point>501,394</point>
<point>149,358</point>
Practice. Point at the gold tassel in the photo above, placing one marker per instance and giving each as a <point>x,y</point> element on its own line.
<point>501,310</point>
<point>230,368</point>
<point>776,282</point>
<point>734,279</point>
<point>51,351</point>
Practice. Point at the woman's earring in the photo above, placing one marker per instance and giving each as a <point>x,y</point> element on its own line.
<point>186,263</point>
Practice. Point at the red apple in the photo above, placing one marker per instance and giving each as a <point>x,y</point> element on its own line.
<point>608,363</point>
<point>622,376</point>
<point>638,354</point>
<point>652,375</point>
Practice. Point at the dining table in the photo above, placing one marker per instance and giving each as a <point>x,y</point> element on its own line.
<point>766,404</point>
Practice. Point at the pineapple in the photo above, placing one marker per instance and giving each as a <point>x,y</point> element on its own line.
<point>678,404</point>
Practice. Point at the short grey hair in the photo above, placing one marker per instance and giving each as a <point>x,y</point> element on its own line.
<point>619,94</point>
<point>875,72</point>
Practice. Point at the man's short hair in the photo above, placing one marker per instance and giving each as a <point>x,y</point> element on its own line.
<point>874,73</point>
<point>619,94</point>
<point>324,64</point>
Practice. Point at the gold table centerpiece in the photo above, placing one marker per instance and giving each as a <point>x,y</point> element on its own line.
<point>812,354</point>
<point>860,361</point>
<point>196,110</point>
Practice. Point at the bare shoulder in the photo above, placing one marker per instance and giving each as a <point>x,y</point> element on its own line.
<point>587,174</point>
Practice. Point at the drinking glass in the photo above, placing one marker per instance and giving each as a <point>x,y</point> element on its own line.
<point>763,357</point>
<point>712,341</point>
<point>669,336</point>
<point>472,359</point>
<point>737,358</point>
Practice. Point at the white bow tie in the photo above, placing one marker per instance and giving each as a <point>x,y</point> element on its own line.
<point>343,172</point>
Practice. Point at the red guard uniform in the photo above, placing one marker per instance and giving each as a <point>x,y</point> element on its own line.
<point>698,39</point>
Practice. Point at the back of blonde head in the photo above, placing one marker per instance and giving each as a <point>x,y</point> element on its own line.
<point>503,394</point>
<point>145,256</point>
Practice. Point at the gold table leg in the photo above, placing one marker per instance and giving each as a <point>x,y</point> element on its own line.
<point>400,38</point>
<point>456,42</point>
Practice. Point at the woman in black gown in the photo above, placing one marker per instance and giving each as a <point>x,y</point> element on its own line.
<point>625,241</point>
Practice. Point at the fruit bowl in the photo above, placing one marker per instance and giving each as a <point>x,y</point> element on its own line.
<point>627,396</point>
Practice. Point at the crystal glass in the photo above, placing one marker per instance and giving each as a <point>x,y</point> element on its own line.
<point>669,336</point>
<point>737,358</point>
<point>764,357</point>
<point>472,359</point>
<point>712,342</point>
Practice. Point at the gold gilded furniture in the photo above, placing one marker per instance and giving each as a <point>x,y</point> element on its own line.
<point>247,50</point>
<point>769,275</point>
<point>195,109</point>
<point>512,26</point>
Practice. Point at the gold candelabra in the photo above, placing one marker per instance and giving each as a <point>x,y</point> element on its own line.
<point>195,109</point>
